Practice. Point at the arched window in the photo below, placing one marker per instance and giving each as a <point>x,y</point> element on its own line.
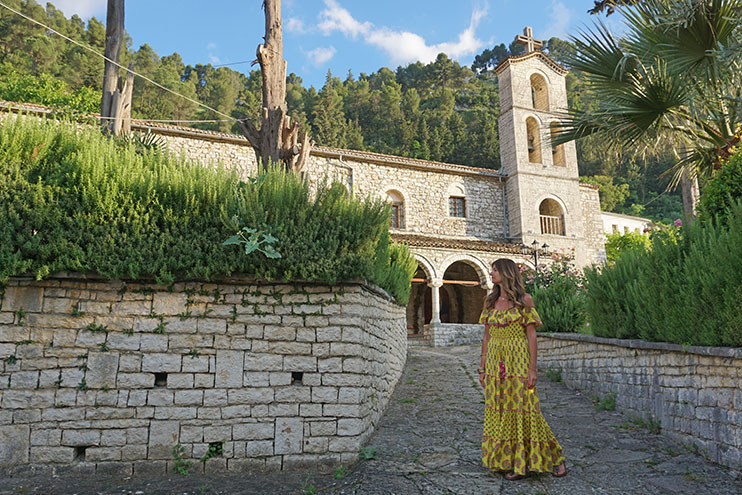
<point>539,92</point>
<point>456,201</point>
<point>397,201</point>
<point>534,140</point>
<point>551,217</point>
<point>557,152</point>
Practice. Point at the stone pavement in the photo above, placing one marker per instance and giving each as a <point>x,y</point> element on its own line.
<point>428,442</point>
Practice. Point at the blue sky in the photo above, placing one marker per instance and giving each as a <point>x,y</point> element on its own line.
<point>360,35</point>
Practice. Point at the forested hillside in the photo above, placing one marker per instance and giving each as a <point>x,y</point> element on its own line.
<point>439,111</point>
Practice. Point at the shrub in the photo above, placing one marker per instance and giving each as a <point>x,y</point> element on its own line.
<point>558,293</point>
<point>46,90</point>
<point>723,189</point>
<point>685,289</point>
<point>74,200</point>
<point>617,244</point>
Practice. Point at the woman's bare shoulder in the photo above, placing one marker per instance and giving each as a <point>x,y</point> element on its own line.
<point>528,301</point>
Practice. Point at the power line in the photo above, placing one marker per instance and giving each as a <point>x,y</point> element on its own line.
<point>234,63</point>
<point>81,45</point>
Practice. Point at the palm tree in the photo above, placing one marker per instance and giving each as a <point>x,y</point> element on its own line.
<point>673,78</point>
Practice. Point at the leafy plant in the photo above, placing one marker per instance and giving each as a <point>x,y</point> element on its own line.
<point>215,449</point>
<point>181,465</point>
<point>554,375</point>
<point>11,359</point>
<point>367,453</point>
<point>340,472</point>
<point>254,241</point>
<point>76,311</point>
<point>608,403</point>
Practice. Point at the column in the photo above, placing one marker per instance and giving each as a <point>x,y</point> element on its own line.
<point>435,286</point>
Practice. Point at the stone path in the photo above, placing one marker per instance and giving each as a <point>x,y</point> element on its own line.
<point>428,442</point>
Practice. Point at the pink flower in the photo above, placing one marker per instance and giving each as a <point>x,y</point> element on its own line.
<point>678,222</point>
<point>502,370</point>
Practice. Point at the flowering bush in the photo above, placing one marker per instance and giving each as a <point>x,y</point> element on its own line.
<point>558,290</point>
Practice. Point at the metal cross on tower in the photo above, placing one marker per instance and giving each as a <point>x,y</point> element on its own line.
<point>526,39</point>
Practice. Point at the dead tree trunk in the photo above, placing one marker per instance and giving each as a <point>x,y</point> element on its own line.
<point>277,140</point>
<point>114,40</point>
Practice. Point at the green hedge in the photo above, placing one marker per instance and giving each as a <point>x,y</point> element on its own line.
<point>558,291</point>
<point>686,289</point>
<point>72,199</point>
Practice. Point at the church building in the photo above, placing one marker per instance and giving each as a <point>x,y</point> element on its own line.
<point>457,219</point>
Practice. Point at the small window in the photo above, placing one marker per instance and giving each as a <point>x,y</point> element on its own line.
<point>614,227</point>
<point>625,229</point>
<point>457,206</point>
<point>396,222</point>
<point>636,231</point>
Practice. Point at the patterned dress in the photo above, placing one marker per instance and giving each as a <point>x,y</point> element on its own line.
<point>516,437</point>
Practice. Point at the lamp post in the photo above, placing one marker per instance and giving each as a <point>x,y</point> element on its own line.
<point>534,251</point>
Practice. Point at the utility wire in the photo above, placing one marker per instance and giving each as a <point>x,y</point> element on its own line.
<point>49,29</point>
<point>234,63</point>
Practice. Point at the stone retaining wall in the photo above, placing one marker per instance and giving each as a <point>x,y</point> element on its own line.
<point>109,377</point>
<point>448,334</point>
<point>693,393</point>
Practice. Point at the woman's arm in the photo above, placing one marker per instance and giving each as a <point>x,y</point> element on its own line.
<point>532,346</point>
<point>483,357</point>
<point>532,352</point>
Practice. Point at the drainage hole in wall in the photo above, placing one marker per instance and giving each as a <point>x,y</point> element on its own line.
<point>80,454</point>
<point>297,377</point>
<point>160,379</point>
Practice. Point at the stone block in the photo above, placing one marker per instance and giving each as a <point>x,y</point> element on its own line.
<point>24,399</point>
<point>163,435</point>
<point>30,299</point>
<point>330,365</point>
<point>263,362</point>
<point>211,326</point>
<point>261,379</point>
<point>160,398</point>
<point>351,395</point>
<point>102,369</point>
<point>278,379</point>
<point>136,380</point>
<point>229,368</point>
<point>163,412</point>
<point>133,452</point>
<point>310,410</point>
<point>24,379</point>
<point>129,363</point>
<point>253,431</point>
<point>136,436</point>
<point>216,397</point>
<point>300,363</point>
<point>159,363</point>
<point>325,394</point>
<point>45,455</point>
<point>322,428</point>
<point>124,342</point>
<point>180,380</point>
<point>26,416</point>
<point>153,343</point>
<point>271,332</point>
<point>14,449</point>
<point>217,434</point>
<point>189,397</point>
<point>203,380</point>
<point>81,438</point>
<point>98,454</point>
<point>343,379</point>
<point>262,395</point>
<point>350,426</point>
<point>306,335</point>
<point>289,435</point>
<point>345,444</point>
<point>198,364</point>
<point>46,437</point>
<point>259,448</point>
<point>168,304</point>
<point>191,434</point>
<point>316,445</point>
<point>285,409</point>
<point>239,411</point>
<point>329,334</point>
<point>71,377</point>
<point>112,438</point>
<point>342,410</point>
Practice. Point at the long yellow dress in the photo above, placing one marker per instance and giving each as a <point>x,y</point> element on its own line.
<point>516,436</point>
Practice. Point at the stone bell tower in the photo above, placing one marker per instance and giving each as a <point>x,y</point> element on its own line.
<point>543,193</point>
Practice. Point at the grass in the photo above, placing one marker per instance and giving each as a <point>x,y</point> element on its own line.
<point>608,403</point>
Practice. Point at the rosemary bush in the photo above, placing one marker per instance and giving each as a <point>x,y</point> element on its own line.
<point>74,200</point>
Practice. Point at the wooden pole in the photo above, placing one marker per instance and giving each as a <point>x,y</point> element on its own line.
<point>114,40</point>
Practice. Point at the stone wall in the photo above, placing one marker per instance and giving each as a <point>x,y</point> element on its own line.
<point>109,377</point>
<point>692,392</point>
<point>448,334</point>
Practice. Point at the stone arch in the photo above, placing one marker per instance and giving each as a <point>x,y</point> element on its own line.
<point>557,152</point>
<point>539,92</point>
<point>478,264</point>
<point>552,215</point>
<point>533,139</point>
<point>427,266</point>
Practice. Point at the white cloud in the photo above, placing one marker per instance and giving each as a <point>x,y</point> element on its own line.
<point>320,55</point>
<point>294,25</point>
<point>84,8</point>
<point>401,46</point>
<point>213,58</point>
<point>561,17</point>
<point>336,18</point>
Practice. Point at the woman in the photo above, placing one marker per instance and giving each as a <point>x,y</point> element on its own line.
<point>516,437</point>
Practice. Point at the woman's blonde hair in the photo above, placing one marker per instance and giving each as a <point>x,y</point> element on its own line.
<point>512,284</point>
